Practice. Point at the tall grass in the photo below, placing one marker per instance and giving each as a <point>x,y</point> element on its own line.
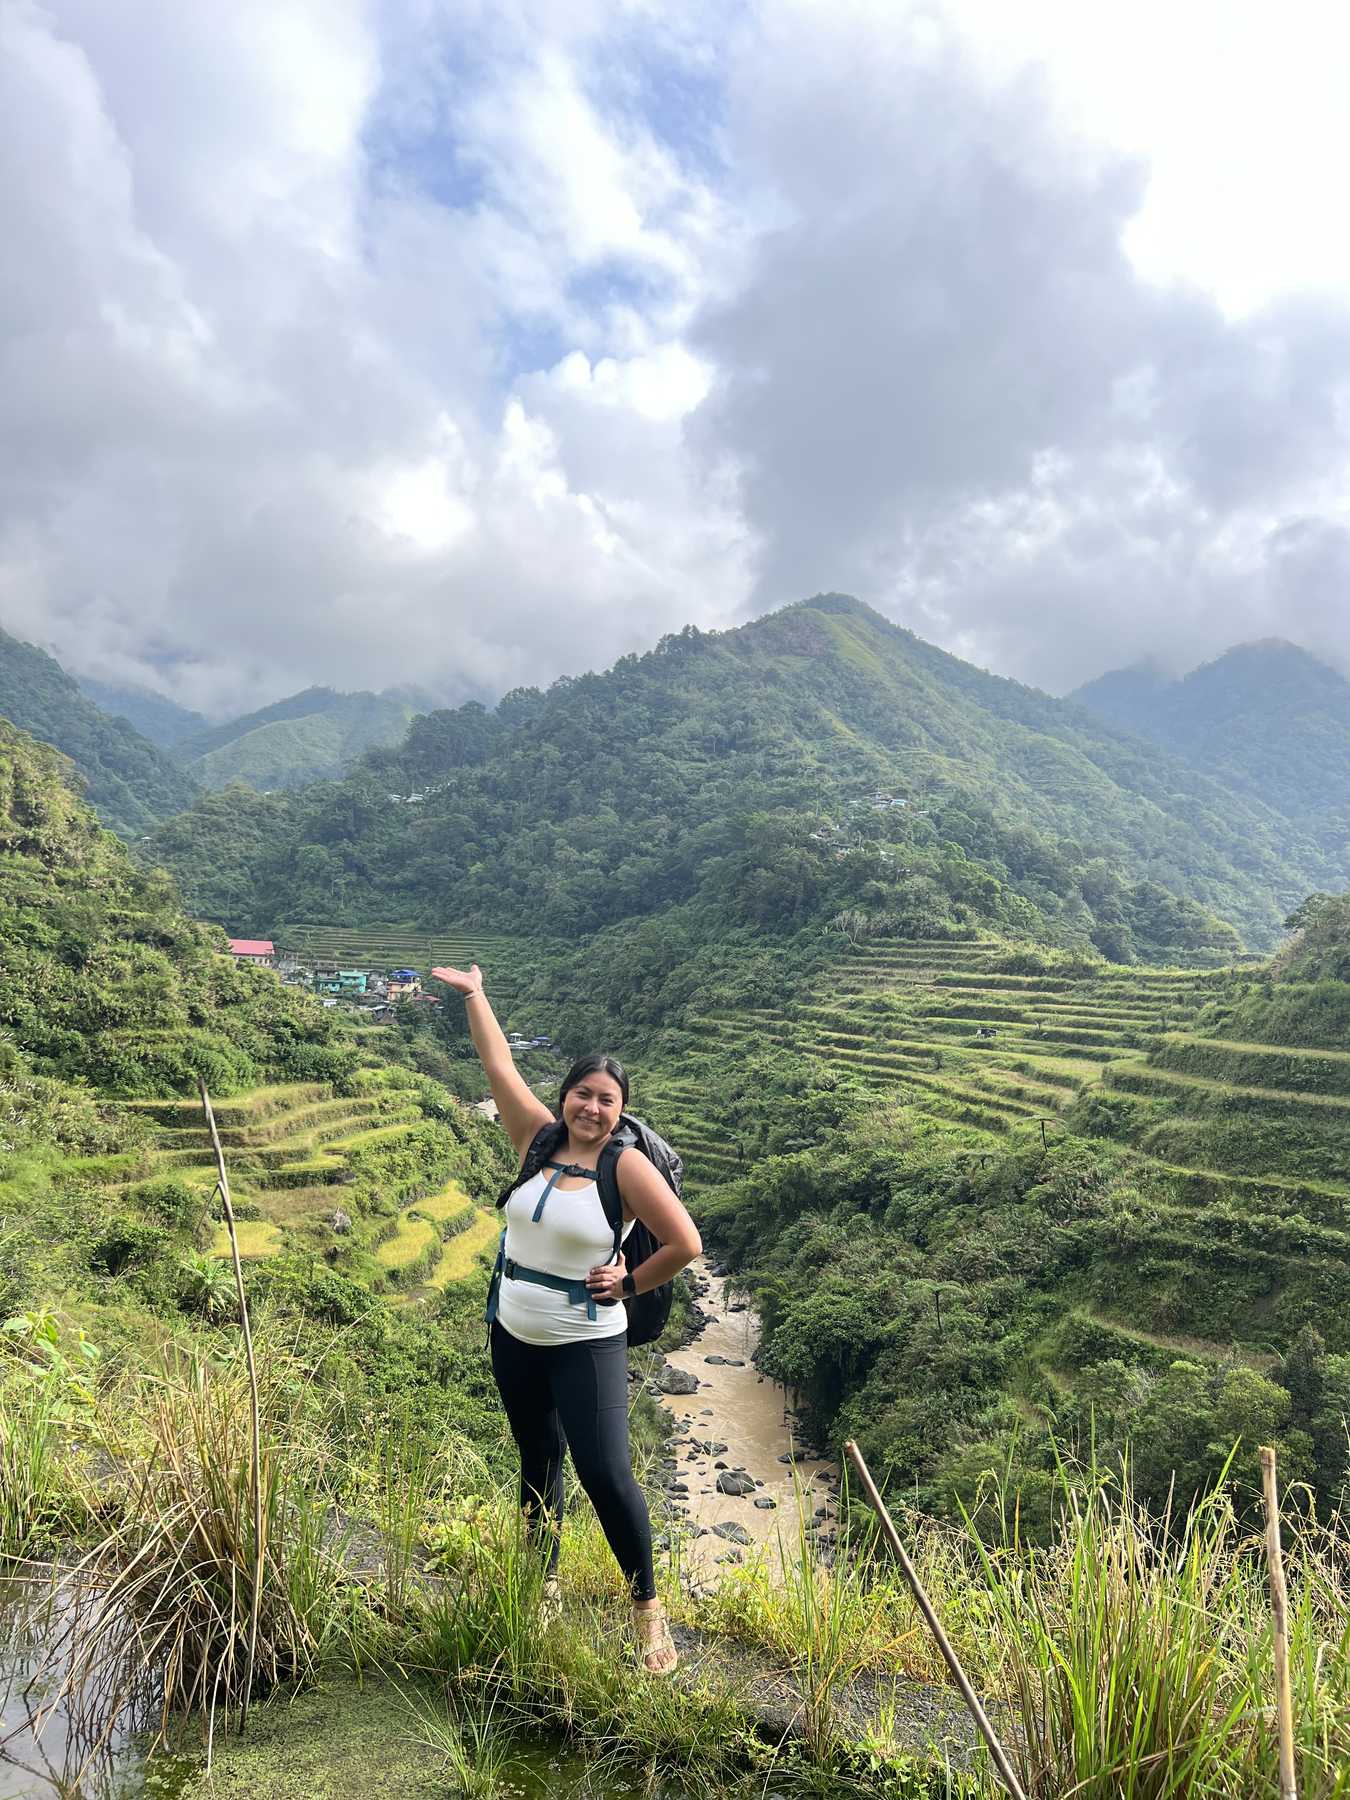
<point>46,1395</point>
<point>167,1591</point>
<point>1132,1656</point>
<point>1138,1652</point>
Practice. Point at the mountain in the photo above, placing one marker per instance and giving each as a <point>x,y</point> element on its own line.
<point>316,735</point>
<point>817,759</point>
<point>1267,719</point>
<point>160,719</point>
<point>130,781</point>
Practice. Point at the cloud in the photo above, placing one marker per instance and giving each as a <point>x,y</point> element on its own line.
<point>944,385</point>
<point>273,418</point>
<point>373,341</point>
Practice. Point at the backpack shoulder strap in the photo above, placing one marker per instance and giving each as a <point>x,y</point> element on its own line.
<point>542,1145</point>
<point>607,1181</point>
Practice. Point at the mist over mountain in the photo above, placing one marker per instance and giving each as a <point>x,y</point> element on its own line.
<point>817,758</point>
<point>1267,719</point>
<point>129,780</point>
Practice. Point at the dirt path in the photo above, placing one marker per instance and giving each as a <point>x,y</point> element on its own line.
<point>735,1424</point>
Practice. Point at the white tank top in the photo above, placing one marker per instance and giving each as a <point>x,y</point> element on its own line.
<point>571,1237</point>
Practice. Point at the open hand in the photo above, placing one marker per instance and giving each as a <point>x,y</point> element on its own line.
<point>606,1281</point>
<point>464,981</point>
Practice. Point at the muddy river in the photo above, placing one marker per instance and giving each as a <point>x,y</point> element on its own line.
<point>734,1432</point>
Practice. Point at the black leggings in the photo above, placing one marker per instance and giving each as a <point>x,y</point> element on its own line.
<point>561,1396</point>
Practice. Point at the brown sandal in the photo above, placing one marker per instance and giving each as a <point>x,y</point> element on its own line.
<point>655,1644</point>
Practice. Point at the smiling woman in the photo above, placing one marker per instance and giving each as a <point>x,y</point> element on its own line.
<point>558,1330</point>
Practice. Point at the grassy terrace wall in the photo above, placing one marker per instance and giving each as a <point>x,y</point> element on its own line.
<point>1231,1225</point>
<point>367,1181</point>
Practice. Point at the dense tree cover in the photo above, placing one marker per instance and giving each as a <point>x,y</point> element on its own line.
<point>1268,720</point>
<point>313,736</point>
<point>818,761</point>
<point>104,979</point>
<point>225,837</point>
<point>161,720</point>
<point>1320,947</point>
<point>953,1312</point>
<point>131,783</point>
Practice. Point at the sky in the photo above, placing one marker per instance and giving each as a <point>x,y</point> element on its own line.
<point>468,343</point>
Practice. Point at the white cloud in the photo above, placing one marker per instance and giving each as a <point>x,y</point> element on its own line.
<point>367,341</point>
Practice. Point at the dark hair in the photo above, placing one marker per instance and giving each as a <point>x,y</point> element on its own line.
<point>594,1064</point>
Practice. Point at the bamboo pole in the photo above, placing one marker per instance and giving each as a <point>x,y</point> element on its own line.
<point>255,1469</point>
<point>1279,1607</point>
<point>1006,1772</point>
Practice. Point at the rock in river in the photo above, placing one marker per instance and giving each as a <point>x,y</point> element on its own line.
<point>732,1532</point>
<point>735,1484</point>
<point>676,1381</point>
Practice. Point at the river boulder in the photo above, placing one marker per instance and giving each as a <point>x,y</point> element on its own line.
<point>735,1484</point>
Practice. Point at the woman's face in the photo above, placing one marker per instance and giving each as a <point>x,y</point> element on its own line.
<point>591,1109</point>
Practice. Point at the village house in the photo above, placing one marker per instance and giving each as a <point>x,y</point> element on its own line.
<point>254,950</point>
<point>404,984</point>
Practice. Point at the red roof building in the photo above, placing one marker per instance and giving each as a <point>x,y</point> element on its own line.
<point>254,950</point>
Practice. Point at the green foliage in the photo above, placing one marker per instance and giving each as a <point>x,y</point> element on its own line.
<point>223,839</point>
<point>103,978</point>
<point>1321,947</point>
<point>130,782</point>
<point>1267,720</point>
<point>313,736</point>
<point>923,1301</point>
<point>737,773</point>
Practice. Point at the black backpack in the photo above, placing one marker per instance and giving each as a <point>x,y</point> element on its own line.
<point>647,1313</point>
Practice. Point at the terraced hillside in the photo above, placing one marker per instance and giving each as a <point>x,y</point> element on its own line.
<point>346,1178</point>
<point>949,1029</point>
<point>387,947</point>
<point>1240,1151</point>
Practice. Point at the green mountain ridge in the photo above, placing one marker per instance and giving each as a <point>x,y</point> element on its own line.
<point>316,735</point>
<point>154,715</point>
<point>130,781</point>
<point>817,759</point>
<point>1267,719</point>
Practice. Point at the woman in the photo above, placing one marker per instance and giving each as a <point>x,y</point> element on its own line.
<point>563,1374</point>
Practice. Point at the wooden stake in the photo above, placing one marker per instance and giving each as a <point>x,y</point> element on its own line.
<point>1279,1607</point>
<point>255,1470</point>
<point>1000,1756</point>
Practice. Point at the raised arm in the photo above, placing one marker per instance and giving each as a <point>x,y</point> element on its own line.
<point>521,1112</point>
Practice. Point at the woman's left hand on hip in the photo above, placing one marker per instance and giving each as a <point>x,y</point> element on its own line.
<point>606,1281</point>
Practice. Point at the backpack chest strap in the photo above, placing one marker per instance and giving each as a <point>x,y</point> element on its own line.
<point>559,1170</point>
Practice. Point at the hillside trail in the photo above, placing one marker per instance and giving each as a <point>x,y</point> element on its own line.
<point>743,1414</point>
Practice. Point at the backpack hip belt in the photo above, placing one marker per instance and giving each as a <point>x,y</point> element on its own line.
<point>577,1291</point>
<point>508,1269</point>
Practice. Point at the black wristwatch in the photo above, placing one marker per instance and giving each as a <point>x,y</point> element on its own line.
<point>629,1287</point>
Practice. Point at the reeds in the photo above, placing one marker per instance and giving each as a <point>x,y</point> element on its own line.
<point>1137,1653</point>
<point>164,1604</point>
<point>1131,1657</point>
